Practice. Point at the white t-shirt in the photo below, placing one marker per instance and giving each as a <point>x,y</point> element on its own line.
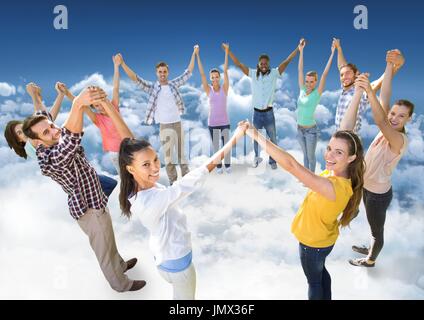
<point>159,212</point>
<point>166,110</point>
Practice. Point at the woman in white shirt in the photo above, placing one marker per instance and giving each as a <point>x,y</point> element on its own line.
<point>157,207</point>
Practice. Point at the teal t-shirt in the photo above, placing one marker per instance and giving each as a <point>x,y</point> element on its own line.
<point>306,106</point>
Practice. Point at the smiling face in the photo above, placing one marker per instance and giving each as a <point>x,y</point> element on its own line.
<point>347,76</point>
<point>337,156</point>
<point>398,116</point>
<point>310,83</point>
<point>20,136</point>
<point>145,167</point>
<point>47,132</point>
<point>263,65</point>
<point>162,74</point>
<point>215,78</point>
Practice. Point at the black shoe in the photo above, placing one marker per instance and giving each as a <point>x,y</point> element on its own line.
<point>130,264</point>
<point>361,263</point>
<point>137,285</point>
<point>361,250</point>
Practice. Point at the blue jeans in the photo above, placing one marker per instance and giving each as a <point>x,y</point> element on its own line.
<point>308,138</point>
<point>108,184</point>
<point>221,133</point>
<point>265,120</point>
<point>313,264</point>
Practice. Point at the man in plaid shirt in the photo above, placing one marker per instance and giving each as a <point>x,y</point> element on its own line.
<point>165,106</point>
<point>61,157</point>
<point>348,74</point>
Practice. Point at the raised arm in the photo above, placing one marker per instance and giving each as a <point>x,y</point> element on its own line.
<point>34,92</point>
<point>193,57</point>
<point>349,119</point>
<point>130,73</point>
<point>91,95</point>
<point>341,61</point>
<point>283,65</point>
<point>301,76</point>
<point>226,85</point>
<point>397,59</point>
<point>393,136</point>
<point>314,182</point>
<point>55,109</point>
<point>238,63</point>
<point>202,74</point>
<point>117,61</point>
<point>324,75</point>
<point>118,121</point>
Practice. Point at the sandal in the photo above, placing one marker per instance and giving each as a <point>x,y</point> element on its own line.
<point>361,250</point>
<point>362,262</point>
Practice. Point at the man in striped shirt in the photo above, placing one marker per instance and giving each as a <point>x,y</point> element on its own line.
<point>61,157</point>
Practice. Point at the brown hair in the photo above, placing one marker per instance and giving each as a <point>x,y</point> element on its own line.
<point>128,187</point>
<point>353,67</point>
<point>356,171</point>
<point>215,70</point>
<point>12,139</point>
<point>29,123</point>
<point>162,64</point>
<point>312,74</point>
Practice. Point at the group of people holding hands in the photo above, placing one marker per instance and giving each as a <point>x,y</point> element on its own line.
<point>334,196</point>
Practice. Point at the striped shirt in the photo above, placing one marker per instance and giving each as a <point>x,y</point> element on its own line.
<point>153,89</point>
<point>66,164</point>
<point>343,104</point>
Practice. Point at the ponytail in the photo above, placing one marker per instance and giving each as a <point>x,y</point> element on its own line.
<point>128,185</point>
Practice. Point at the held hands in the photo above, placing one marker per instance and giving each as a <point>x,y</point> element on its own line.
<point>302,44</point>
<point>33,90</point>
<point>336,43</point>
<point>226,47</point>
<point>395,57</point>
<point>117,60</point>
<point>90,95</point>
<point>61,88</point>
<point>363,83</point>
<point>196,49</point>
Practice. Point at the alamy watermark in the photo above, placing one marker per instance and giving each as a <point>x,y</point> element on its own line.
<point>61,20</point>
<point>361,20</point>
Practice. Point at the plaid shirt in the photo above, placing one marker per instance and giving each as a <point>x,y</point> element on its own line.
<point>343,105</point>
<point>153,89</point>
<point>66,164</point>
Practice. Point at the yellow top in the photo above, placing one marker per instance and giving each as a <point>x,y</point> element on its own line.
<point>316,223</point>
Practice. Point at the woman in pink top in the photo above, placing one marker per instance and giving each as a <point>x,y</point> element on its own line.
<point>219,125</point>
<point>110,137</point>
<point>383,154</point>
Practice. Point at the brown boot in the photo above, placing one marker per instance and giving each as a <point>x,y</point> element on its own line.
<point>137,285</point>
<point>130,264</point>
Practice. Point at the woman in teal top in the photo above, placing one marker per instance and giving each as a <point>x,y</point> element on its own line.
<point>307,102</point>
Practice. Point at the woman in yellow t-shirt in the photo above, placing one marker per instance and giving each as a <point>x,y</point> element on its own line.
<point>336,191</point>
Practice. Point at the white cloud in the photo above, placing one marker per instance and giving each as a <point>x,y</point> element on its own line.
<point>7,89</point>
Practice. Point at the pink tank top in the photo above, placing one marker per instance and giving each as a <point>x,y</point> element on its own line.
<point>218,108</point>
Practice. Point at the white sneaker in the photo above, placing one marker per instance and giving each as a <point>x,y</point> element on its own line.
<point>228,170</point>
<point>219,170</point>
<point>257,161</point>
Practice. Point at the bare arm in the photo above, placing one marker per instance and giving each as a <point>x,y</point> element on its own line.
<point>74,122</point>
<point>393,136</point>
<point>130,73</point>
<point>238,63</point>
<point>55,109</point>
<point>301,76</point>
<point>323,79</point>
<point>202,75</point>
<point>193,57</point>
<point>34,92</point>
<point>314,182</point>
<point>117,61</point>
<point>226,79</point>
<point>117,120</point>
<point>283,65</point>
<point>341,61</point>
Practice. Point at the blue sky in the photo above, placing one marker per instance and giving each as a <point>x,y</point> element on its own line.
<point>149,31</point>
